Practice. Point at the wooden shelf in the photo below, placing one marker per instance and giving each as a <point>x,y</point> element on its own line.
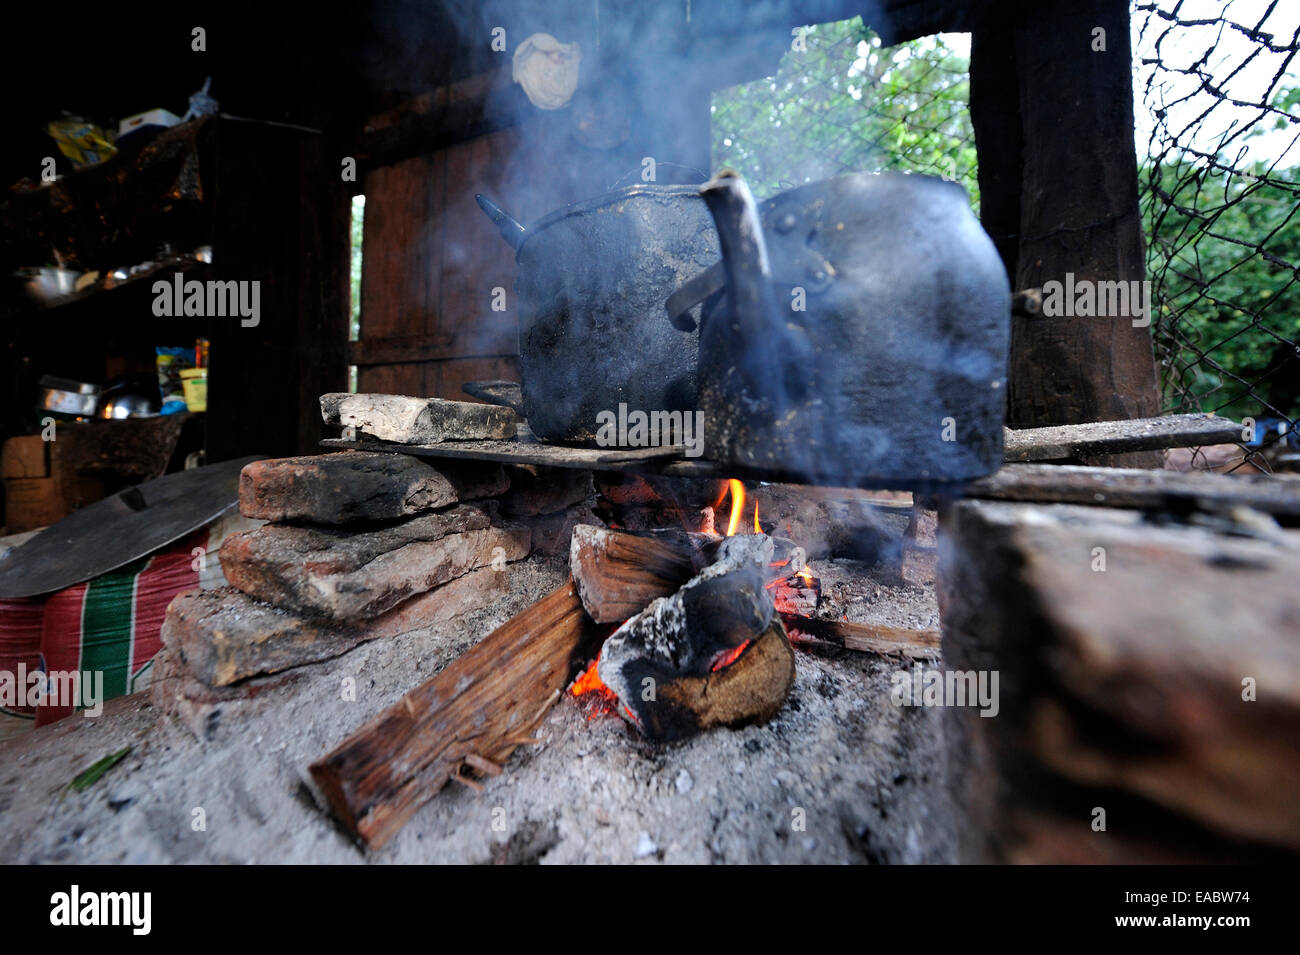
<point>1031,444</point>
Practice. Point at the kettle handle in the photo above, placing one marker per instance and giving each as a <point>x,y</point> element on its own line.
<point>692,292</point>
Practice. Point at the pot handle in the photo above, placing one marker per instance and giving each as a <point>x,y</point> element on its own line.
<point>692,293</point>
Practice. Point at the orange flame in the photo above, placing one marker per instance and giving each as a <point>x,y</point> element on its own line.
<point>737,491</point>
<point>807,576</point>
<point>758,529</point>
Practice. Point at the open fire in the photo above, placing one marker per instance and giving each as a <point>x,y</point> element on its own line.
<point>665,661</point>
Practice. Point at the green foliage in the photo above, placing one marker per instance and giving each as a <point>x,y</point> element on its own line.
<point>88,777</point>
<point>847,104</point>
<point>358,230</point>
<point>1223,246</point>
<point>354,277</point>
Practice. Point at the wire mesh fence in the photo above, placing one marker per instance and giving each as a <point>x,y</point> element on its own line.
<point>1217,102</point>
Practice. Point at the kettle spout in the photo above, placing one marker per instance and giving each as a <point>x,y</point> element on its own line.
<point>763,339</point>
<point>744,253</point>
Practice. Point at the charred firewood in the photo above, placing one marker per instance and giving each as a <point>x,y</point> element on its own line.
<point>618,572</point>
<point>472,715</point>
<point>713,622</point>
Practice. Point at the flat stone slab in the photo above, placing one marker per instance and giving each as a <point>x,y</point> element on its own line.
<point>356,486</point>
<point>408,420</point>
<point>348,574</point>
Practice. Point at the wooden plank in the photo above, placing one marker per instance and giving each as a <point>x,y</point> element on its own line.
<point>1141,488</point>
<point>1115,437</point>
<point>1030,444</point>
<point>398,283</point>
<point>812,632</point>
<point>520,452</point>
<point>399,350</point>
<point>480,708</point>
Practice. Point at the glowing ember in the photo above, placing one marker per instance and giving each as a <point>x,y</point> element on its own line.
<point>589,682</point>
<point>728,658</point>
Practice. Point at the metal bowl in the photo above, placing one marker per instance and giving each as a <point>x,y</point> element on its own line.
<point>48,285</point>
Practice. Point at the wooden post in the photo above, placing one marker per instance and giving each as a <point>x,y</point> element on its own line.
<point>1077,199</point>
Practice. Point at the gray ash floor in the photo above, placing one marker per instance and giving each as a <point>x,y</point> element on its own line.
<point>840,775</point>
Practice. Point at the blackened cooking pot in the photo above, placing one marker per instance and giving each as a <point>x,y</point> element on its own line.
<point>592,282</point>
<point>864,333</point>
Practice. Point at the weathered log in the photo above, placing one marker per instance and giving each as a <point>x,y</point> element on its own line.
<point>1063,442</point>
<point>1154,661</point>
<point>1145,489</point>
<point>408,420</point>
<point>700,628</point>
<point>618,573</point>
<point>480,708</point>
<point>797,596</point>
<point>750,689</point>
<point>812,632</point>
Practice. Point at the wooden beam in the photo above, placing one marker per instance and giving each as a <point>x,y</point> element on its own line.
<point>481,707</point>
<point>440,346</point>
<point>1142,488</point>
<point>433,120</point>
<point>812,632</point>
<point>1116,437</point>
<point>1078,213</point>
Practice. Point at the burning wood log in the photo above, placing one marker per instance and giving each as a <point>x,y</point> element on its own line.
<point>662,663</point>
<point>472,714</point>
<point>866,637</point>
<point>749,689</point>
<point>618,573</point>
<point>799,594</point>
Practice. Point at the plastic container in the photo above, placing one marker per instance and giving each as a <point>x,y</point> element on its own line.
<point>195,383</point>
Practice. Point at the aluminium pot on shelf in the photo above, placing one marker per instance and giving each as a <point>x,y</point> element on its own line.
<point>592,281</point>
